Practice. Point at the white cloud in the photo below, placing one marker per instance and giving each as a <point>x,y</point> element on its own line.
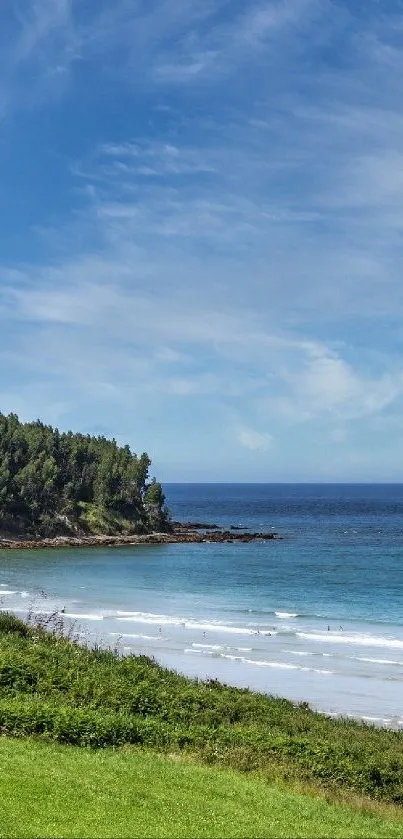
<point>218,269</point>
<point>266,19</point>
<point>217,49</point>
<point>242,252</point>
<point>326,382</point>
<point>168,42</point>
<point>39,21</point>
<point>129,160</point>
<point>37,47</point>
<point>293,380</point>
<point>254,440</point>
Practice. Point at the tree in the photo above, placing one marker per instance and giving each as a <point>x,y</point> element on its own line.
<point>46,474</point>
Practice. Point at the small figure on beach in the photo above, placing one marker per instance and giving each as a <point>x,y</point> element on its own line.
<point>328,629</point>
<point>341,628</point>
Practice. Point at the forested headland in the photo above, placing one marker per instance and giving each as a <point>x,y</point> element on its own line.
<point>58,483</point>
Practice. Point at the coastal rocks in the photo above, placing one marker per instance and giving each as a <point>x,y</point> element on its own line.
<point>182,533</point>
<point>193,525</point>
<point>223,536</point>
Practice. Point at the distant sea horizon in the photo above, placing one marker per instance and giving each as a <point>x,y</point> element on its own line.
<point>286,483</point>
<point>316,616</point>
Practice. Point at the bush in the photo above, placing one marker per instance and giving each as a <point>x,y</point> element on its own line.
<point>10,623</point>
<point>53,687</point>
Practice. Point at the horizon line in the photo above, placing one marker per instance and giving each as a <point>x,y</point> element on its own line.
<point>286,483</point>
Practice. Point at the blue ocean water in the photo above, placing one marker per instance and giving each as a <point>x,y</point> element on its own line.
<point>316,615</point>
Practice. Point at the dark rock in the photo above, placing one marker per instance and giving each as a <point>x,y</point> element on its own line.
<point>193,525</point>
<point>177,537</point>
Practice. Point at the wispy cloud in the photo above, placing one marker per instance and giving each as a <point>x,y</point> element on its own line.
<point>223,46</point>
<point>309,379</point>
<point>223,245</point>
<point>38,45</point>
<point>254,440</point>
<point>38,23</point>
<point>167,42</point>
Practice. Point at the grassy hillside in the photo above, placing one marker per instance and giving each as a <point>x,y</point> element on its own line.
<point>48,790</point>
<point>52,687</point>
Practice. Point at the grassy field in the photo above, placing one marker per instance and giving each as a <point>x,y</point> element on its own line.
<point>55,690</point>
<point>49,790</point>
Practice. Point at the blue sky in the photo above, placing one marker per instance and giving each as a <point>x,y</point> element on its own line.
<point>201,231</point>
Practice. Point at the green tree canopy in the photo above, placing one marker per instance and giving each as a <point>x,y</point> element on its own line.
<point>50,480</point>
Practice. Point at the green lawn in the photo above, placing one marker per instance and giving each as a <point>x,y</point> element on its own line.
<point>50,790</point>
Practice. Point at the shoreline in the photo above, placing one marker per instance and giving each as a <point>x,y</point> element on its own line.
<point>181,534</point>
<point>202,655</point>
<point>140,703</point>
<point>290,689</point>
<point>176,664</point>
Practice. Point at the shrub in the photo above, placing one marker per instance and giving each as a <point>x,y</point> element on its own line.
<point>53,687</point>
<point>10,623</point>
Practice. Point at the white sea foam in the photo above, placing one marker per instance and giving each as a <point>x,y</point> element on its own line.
<point>241,649</point>
<point>353,638</point>
<point>24,593</point>
<point>390,722</point>
<point>150,618</point>
<point>261,663</point>
<point>375,660</point>
<point>279,665</point>
<point>144,617</point>
<point>286,614</point>
<point>235,630</point>
<point>221,647</point>
<point>8,592</point>
<point>142,637</point>
<point>218,627</point>
<point>207,653</point>
<point>296,652</point>
<point>91,616</point>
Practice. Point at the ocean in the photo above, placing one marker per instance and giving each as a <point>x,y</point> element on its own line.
<point>316,616</point>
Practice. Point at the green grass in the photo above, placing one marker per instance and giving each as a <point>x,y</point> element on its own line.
<point>54,688</point>
<point>48,790</point>
<point>99,521</point>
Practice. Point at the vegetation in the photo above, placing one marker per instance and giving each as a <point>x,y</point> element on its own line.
<point>52,687</point>
<point>53,482</point>
<point>63,791</point>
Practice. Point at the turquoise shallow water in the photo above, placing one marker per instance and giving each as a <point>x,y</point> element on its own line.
<point>317,616</point>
